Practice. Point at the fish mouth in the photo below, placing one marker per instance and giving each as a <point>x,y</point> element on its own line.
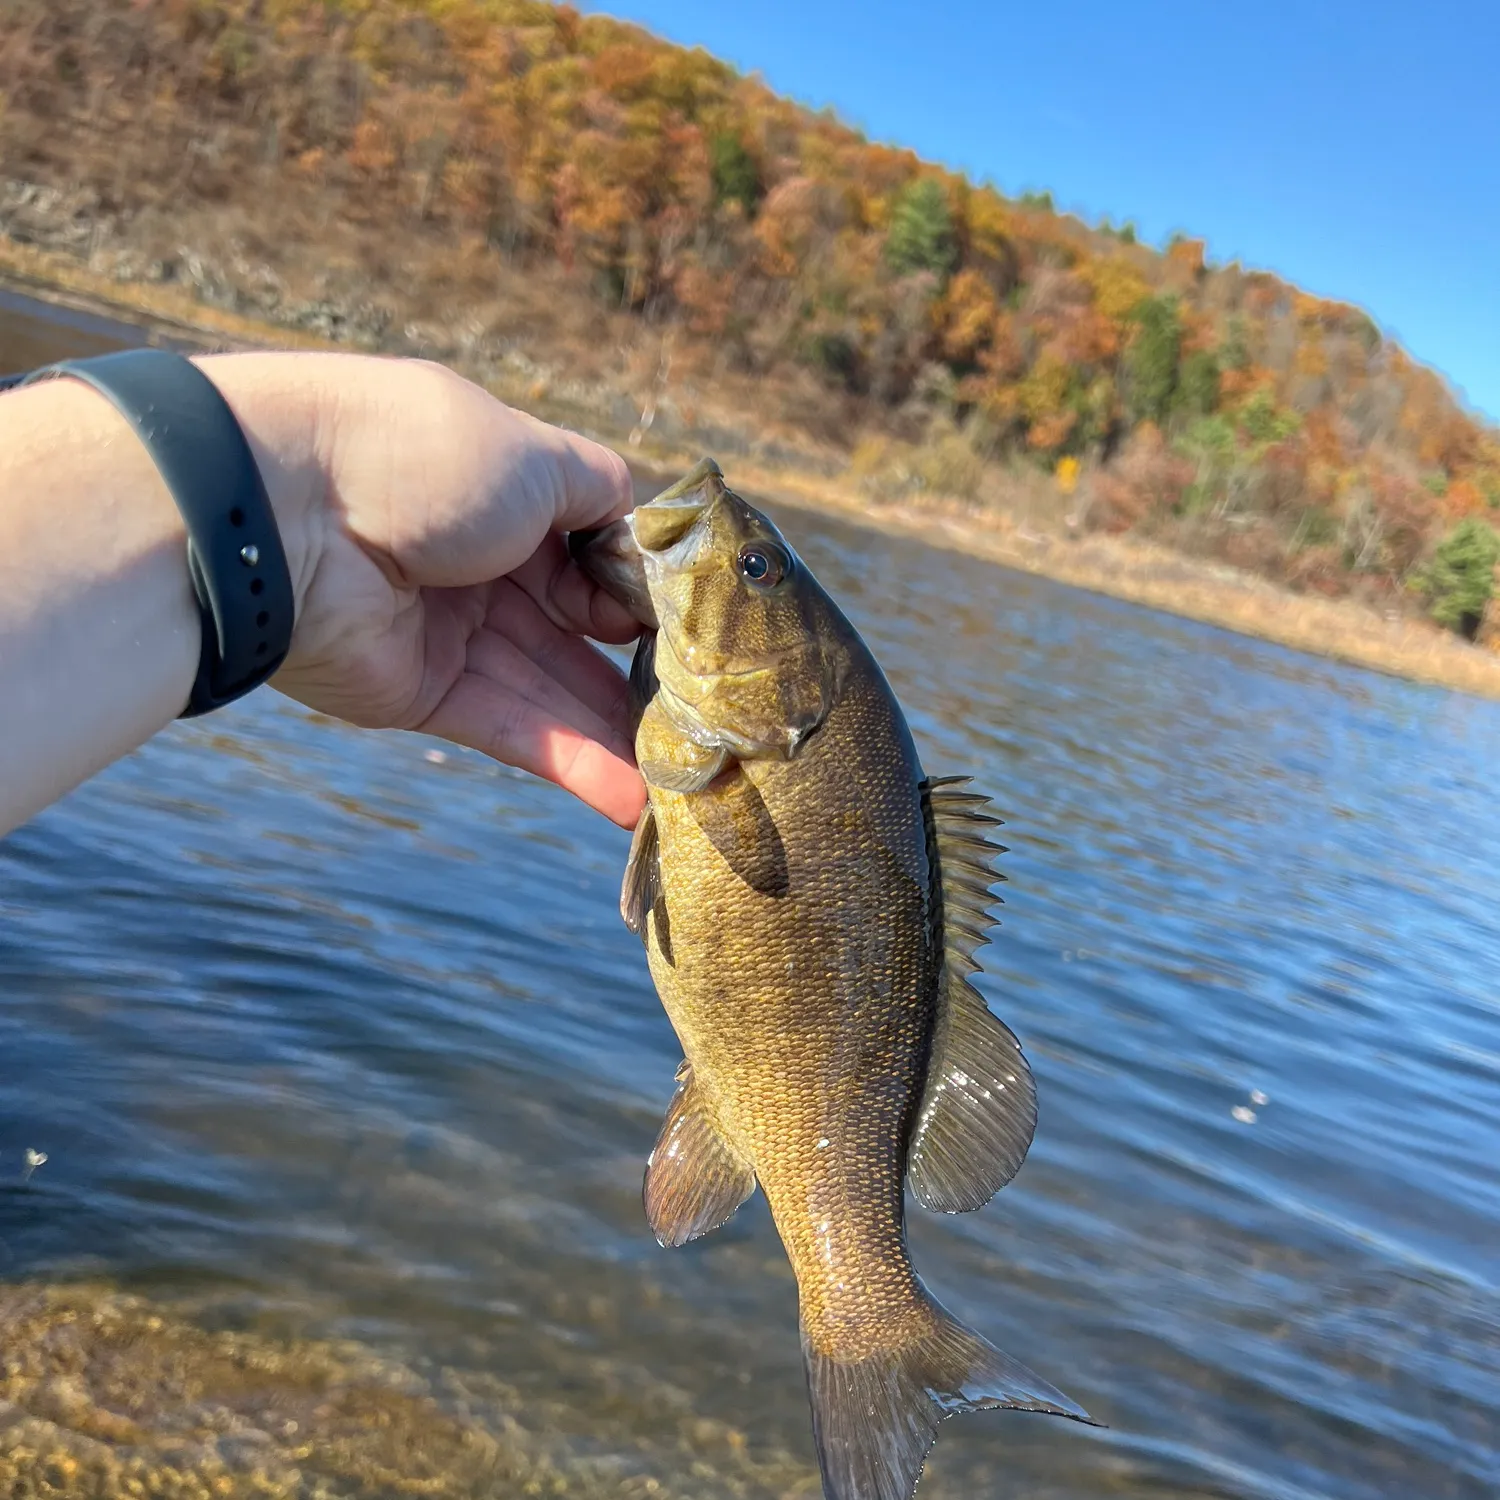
<point>662,525</point>
<point>656,537</point>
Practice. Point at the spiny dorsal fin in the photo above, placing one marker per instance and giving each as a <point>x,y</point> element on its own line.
<point>960,853</point>
<point>694,1178</point>
<point>978,1110</point>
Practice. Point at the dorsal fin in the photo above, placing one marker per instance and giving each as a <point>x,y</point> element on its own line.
<point>694,1178</point>
<point>978,1110</point>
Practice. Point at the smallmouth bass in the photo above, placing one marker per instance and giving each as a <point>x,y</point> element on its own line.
<point>810,902</point>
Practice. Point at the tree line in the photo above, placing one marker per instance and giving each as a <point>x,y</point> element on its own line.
<point>1212,406</point>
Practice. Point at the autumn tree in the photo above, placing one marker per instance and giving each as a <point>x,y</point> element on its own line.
<point>468,154</point>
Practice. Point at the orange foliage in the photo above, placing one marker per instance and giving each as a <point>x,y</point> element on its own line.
<point>656,180</point>
<point>965,317</point>
<point>1185,261</point>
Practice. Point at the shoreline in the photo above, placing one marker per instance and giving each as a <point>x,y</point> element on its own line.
<point>1133,571</point>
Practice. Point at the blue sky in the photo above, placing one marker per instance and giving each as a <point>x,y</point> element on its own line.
<point>1351,145</point>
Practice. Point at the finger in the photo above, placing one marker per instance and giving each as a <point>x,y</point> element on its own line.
<point>571,600</point>
<point>565,658</point>
<point>590,483</point>
<point>483,715</point>
<point>498,661</point>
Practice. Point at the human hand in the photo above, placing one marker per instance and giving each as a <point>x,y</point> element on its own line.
<point>423,523</point>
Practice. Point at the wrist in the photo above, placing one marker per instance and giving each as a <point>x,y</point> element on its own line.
<point>281,420</point>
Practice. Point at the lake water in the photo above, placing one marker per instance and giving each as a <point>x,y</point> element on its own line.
<point>346,1070</point>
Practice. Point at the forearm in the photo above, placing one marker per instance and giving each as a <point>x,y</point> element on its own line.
<point>99,629</point>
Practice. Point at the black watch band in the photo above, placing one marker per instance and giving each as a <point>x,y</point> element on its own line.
<point>235,557</point>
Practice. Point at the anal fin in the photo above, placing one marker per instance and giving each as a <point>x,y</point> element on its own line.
<point>694,1178</point>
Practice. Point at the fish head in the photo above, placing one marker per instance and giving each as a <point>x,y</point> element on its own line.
<point>744,656</point>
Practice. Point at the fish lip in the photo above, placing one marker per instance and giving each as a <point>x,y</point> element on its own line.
<point>691,498</point>
<point>610,557</point>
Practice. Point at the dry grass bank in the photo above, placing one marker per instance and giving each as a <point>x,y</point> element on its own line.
<point>1133,570</point>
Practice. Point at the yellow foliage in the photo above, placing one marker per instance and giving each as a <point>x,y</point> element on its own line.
<point>1066,474</point>
<point>1044,391</point>
<point>989,223</point>
<point>1116,284</point>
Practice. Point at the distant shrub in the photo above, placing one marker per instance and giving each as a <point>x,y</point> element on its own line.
<point>921,233</point>
<point>1042,201</point>
<point>1461,576</point>
<point>1264,423</point>
<point>944,464</point>
<point>1234,352</point>
<point>1209,445</point>
<point>1197,391</point>
<point>1148,480</point>
<point>837,356</point>
<point>735,172</point>
<point>1316,527</point>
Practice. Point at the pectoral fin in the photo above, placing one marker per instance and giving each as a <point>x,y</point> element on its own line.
<point>690,770</point>
<point>694,1178</point>
<point>669,759</point>
<point>978,1110</point>
<point>642,887</point>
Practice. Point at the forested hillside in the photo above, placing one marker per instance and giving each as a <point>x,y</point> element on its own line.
<point>506,173</point>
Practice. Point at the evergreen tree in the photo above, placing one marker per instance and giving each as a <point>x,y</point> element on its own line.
<point>1462,576</point>
<point>735,173</point>
<point>921,233</point>
<point>1152,359</point>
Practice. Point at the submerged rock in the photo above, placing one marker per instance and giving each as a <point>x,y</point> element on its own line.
<point>105,1394</point>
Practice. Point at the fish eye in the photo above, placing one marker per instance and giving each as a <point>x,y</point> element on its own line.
<point>764,564</point>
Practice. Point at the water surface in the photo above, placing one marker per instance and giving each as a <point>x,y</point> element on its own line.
<point>335,1042</point>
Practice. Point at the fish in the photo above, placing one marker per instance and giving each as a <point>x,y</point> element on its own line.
<point>811,901</point>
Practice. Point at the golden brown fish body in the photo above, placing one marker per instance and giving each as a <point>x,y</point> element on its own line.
<point>799,970</point>
<point>810,903</point>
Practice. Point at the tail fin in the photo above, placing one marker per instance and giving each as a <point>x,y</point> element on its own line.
<point>874,1421</point>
